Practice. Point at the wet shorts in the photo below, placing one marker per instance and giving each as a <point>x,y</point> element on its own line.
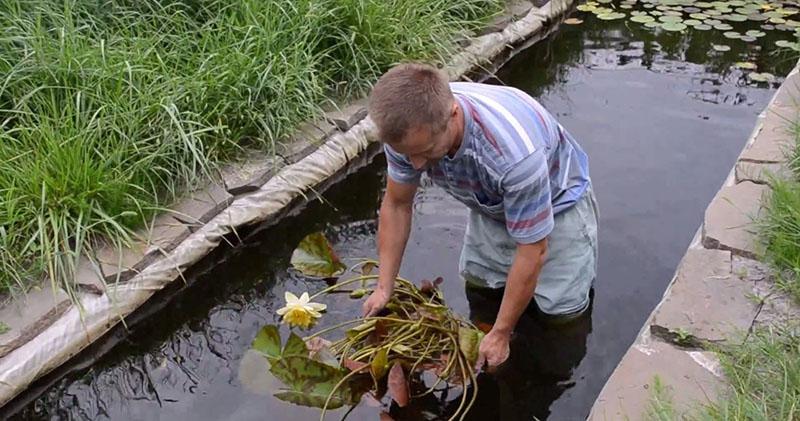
<point>569,268</point>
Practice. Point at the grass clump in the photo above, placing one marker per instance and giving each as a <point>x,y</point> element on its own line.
<point>108,109</point>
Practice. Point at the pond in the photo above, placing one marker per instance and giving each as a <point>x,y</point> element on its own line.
<point>662,116</point>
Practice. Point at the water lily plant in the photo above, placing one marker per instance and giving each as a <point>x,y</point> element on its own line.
<point>300,312</point>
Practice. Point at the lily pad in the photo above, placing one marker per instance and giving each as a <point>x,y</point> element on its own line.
<point>699,16</point>
<point>314,256</point>
<point>268,342</point>
<point>673,26</point>
<point>691,22</point>
<point>666,19</point>
<point>755,33</point>
<point>656,13</point>
<point>788,44</point>
<point>585,8</point>
<point>310,383</point>
<point>712,22</point>
<point>721,48</point>
<point>757,17</point>
<point>736,18</point>
<point>642,19</point>
<point>767,27</point>
<point>777,20</point>
<point>653,24</point>
<point>745,65</point>
<point>573,21</point>
<point>747,38</point>
<point>761,77</point>
<point>732,35</point>
<point>702,27</point>
<point>723,27</point>
<point>611,16</point>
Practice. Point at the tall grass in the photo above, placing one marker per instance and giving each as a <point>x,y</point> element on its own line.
<point>107,109</point>
<point>780,227</point>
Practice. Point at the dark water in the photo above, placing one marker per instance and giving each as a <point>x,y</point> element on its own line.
<point>662,119</point>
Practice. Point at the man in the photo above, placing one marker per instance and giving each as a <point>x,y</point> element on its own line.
<point>532,226</point>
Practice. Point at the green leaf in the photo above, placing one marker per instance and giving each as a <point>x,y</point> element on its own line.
<point>745,65</point>
<point>295,346</point>
<point>673,26</point>
<point>702,27</point>
<point>469,341</point>
<point>761,77</point>
<point>268,341</point>
<point>314,399</point>
<point>315,257</point>
<point>610,16</point>
<point>732,35</point>
<point>721,48</point>
<point>642,19</point>
<point>379,364</point>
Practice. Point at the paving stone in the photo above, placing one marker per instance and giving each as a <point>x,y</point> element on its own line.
<point>249,174</point>
<point>788,94</point>
<point>305,140</point>
<point>728,223</point>
<point>27,315</point>
<point>349,116</point>
<point>163,234</point>
<point>770,143</point>
<point>707,299</point>
<point>690,377</point>
<point>199,206</point>
<point>514,10</point>
<point>760,173</point>
<point>777,308</point>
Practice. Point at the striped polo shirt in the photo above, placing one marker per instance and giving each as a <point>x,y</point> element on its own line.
<point>516,163</point>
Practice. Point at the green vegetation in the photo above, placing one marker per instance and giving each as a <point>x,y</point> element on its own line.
<point>107,109</point>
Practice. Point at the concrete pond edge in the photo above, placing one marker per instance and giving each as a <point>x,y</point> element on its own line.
<point>720,291</point>
<point>48,329</point>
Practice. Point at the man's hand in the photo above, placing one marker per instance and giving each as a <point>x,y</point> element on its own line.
<point>494,349</point>
<point>376,302</point>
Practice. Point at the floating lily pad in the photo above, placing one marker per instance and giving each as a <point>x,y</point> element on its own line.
<point>712,12</point>
<point>642,19</point>
<point>755,33</point>
<point>736,3</point>
<point>777,20</point>
<point>604,1</point>
<point>691,22</point>
<point>638,13</point>
<point>732,35</point>
<point>648,6</point>
<point>788,11</point>
<point>721,48</point>
<point>788,44</point>
<point>703,4</point>
<point>773,14</point>
<point>611,16</point>
<point>656,13</point>
<point>585,8</point>
<point>699,16</point>
<point>670,19</point>
<point>673,13</point>
<point>756,17</point>
<point>767,27</point>
<point>625,6</point>
<point>692,9</point>
<point>745,65</point>
<point>712,22</point>
<point>792,23</point>
<point>723,27</point>
<point>747,38</point>
<point>653,24</point>
<point>702,27</point>
<point>314,256</point>
<point>761,77</point>
<point>736,18</point>
<point>573,21</point>
<point>673,26</point>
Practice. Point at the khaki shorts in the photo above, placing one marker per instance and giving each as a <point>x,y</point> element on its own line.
<point>570,266</point>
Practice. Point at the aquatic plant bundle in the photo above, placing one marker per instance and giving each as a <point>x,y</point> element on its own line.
<point>415,344</point>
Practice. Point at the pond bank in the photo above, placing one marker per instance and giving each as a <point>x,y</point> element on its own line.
<point>43,337</point>
<point>720,292</point>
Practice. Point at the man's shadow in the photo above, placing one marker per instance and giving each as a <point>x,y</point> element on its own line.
<point>543,357</point>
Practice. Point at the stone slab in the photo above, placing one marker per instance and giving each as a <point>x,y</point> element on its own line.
<point>306,139</point>
<point>249,174</point>
<point>760,173</point>
<point>690,377</point>
<point>771,141</point>
<point>728,223</point>
<point>27,315</point>
<point>788,94</point>
<point>199,206</point>
<point>349,116</point>
<point>514,10</point>
<point>163,234</point>
<point>776,307</point>
<point>707,299</point>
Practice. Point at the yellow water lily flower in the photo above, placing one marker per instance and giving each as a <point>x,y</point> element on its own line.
<point>301,311</point>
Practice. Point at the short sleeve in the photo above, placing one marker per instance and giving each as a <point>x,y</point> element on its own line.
<point>526,199</point>
<point>399,167</point>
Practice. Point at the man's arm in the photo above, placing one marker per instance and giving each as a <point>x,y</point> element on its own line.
<point>394,225</point>
<point>520,286</point>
